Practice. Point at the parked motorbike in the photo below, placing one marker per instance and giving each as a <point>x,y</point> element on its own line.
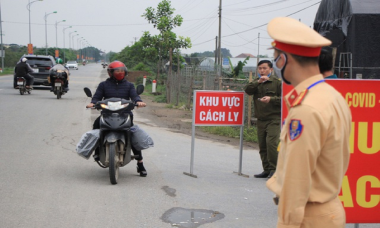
<point>59,83</point>
<point>21,83</point>
<point>115,149</point>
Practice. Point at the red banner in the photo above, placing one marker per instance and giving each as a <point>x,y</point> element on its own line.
<point>218,108</point>
<point>360,193</point>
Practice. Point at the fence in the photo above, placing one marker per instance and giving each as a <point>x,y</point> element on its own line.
<point>182,85</point>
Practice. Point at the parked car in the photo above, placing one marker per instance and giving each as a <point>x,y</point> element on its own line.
<point>41,65</point>
<point>72,65</point>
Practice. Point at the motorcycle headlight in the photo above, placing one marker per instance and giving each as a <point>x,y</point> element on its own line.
<point>114,106</point>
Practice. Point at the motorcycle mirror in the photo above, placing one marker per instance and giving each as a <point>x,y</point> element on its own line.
<point>87,91</point>
<point>140,89</point>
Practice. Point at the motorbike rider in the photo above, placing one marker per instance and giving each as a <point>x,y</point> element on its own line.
<point>23,69</point>
<point>116,86</point>
<point>59,68</point>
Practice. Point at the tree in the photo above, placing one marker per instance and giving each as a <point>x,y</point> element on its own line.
<point>262,56</point>
<point>203,54</point>
<point>135,54</point>
<point>158,46</point>
<point>235,71</point>
<point>225,53</point>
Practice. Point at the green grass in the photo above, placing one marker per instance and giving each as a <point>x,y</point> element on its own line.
<point>249,133</point>
<point>157,98</point>
<point>7,70</point>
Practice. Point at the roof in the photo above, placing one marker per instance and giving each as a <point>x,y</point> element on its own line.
<point>245,55</point>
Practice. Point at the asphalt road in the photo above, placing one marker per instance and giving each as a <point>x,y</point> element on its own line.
<point>44,183</point>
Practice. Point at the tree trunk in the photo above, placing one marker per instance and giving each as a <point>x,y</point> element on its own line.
<point>158,69</point>
<point>178,79</point>
<point>168,84</point>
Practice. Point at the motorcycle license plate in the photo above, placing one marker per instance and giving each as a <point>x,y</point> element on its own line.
<point>20,83</point>
<point>57,84</point>
<point>36,70</point>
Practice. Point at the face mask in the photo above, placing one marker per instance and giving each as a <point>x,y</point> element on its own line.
<point>267,75</point>
<point>280,72</point>
<point>119,75</point>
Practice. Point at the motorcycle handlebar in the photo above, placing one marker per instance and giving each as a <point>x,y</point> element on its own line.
<point>93,107</point>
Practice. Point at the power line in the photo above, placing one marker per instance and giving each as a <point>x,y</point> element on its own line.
<point>238,34</point>
<point>204,42</point>
<point>303,9</point>
<point>202,31</point>
<point>188,3</point>
<point>236,21</point>
<point>234,4</point>
<point>271,11</point>
<point>188,9</point>
<point>12,22</point>
<point>267,23</point>
<point>259,26</point>
<point>245,43</point>
<point>255,7</point>
<point>197,24</point>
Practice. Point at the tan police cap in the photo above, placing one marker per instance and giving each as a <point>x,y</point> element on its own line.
<point>295,37</point>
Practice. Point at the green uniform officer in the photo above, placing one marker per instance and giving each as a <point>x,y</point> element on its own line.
<point>266,91</point>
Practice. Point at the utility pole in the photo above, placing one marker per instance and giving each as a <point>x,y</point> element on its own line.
<point>216,50</point>
<point>2,49</point>
<point>258,54</point>
<point>220,44</point>
<point>220,34</point>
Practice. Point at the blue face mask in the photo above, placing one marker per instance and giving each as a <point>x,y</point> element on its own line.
<point>260,75</point>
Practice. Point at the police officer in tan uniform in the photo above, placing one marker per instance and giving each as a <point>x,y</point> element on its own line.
<point>314,151</point>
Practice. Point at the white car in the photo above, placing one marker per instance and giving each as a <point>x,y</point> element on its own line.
<point>72,65</point>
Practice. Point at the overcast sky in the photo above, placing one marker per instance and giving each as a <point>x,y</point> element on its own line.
<point>111,25</point>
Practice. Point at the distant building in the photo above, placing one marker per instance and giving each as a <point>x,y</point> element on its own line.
<point>13,45</point>
<point>245,55</point>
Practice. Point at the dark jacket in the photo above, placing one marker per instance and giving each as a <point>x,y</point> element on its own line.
<point>22,69</point>
<point>271,88</point>
<point>118,89</point>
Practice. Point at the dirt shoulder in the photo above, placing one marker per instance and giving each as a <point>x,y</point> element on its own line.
<point>178,120</point>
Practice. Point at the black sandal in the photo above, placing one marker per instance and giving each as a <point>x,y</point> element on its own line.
<point>141,169</point>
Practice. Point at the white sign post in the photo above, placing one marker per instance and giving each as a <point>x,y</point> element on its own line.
<point>217,108</point>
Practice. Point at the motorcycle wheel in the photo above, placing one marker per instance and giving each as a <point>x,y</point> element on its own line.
<point>21,91</point>
<point>113,167</point>
<point>58,93</point>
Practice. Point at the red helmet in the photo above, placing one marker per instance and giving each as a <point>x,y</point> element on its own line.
<point>114,70</point>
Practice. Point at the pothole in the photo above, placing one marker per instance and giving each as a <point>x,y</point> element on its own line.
<point>190,218</point>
